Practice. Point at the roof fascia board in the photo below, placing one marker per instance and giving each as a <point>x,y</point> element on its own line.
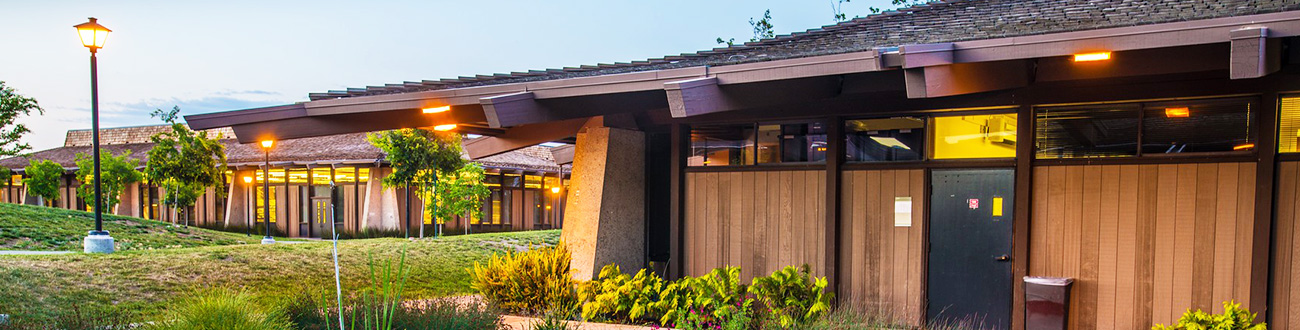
<point>825,65</point>
<point>1283,24</point>
<point>228,118</point>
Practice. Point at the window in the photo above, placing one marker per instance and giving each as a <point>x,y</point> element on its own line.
<point>791,143</point>
<point>887,139</point>
<point>260,198</point>
<point>1087,131</point>
<point>532,182</point>
<point>1199,126</point>
<point>977,136</point>
<point>722,145</point>
<point>1288,133</point>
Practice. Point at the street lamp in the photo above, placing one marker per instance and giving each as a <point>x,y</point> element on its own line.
<point>93,36</point>
<point>266,192</point>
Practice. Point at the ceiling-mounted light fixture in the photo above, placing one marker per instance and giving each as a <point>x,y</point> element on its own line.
<point>436,109</point>
<point>446,127</point>
<point>1089,57</point>
<point>1247,146</point>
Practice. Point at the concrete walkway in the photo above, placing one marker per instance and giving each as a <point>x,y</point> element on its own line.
<point>32,253</point>
<point>522,323</point>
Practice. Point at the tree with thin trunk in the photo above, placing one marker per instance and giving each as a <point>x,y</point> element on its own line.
<point>421,159</point>
<point>43,180</point>
<point>184,162</point>
<point>13,105</point>
<point>116,171</point>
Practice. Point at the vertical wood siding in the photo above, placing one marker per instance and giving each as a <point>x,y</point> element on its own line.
<point>882,263</point>
<point>1286,271</point>
<point>759,221</point>
<point>1145,242</point>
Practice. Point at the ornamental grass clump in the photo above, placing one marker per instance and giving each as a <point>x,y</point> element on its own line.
<point>220,309</point>
<point>530,282</point>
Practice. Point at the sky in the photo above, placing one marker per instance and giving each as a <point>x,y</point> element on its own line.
<point>229,55</point>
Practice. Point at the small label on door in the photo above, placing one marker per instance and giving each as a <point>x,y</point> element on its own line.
<point>997,206</point>
<point>973,203</point>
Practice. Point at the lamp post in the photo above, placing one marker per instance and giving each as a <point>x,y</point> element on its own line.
<point>266,192</point>
<point>93,36</point>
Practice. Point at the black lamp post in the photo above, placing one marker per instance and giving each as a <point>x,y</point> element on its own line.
<point>266,192</point>
<point>93,36</point>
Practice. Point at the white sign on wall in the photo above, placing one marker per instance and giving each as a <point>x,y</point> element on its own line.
<point>902,211</point>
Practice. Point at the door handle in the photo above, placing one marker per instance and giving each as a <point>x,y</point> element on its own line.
<point>1003,258</point>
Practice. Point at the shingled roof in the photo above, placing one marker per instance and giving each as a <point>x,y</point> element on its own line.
<point>939,21</point>
<point>343,148</point>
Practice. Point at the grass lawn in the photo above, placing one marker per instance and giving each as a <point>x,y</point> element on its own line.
<point>27,227</point>
<point>39,287</point>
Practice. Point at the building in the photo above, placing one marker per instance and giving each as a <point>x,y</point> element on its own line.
<point>527,185</point>
<point>924,159</point>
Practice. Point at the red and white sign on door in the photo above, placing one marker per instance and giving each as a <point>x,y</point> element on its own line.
<point>973,203</point>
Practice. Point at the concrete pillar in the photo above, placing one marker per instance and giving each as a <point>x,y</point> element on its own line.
<point>605,214</point>
<point>381,205</point>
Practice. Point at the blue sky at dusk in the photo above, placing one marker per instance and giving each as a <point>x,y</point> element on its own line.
<point>229,55</point>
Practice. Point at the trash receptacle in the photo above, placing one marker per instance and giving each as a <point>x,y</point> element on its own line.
<point>1047,302</point>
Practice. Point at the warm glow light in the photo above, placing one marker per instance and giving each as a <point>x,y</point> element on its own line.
<point>437,109</point>
<point>555,190</point>
<point>248,179</point>
<point>267,143</point>
<point>446,127</point>
<point>1182,112</point>
<point>92,34</point>
<point>1244,146</point>
<point>1088,57</point>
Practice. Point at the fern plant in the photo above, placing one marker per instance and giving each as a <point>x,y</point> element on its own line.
<point>619,297</point>
<point>792,296</point>
<point>1233,318</point>
<point>529,282</point>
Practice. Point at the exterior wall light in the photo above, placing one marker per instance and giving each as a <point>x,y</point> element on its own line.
<point>1181,112</point>
<point>555,190</point>
<point>436,109</point>
<point>1090,57</point>
<point>248,179</point>
<point>446,127</point>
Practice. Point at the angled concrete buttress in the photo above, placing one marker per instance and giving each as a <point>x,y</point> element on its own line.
<point>604,220</point>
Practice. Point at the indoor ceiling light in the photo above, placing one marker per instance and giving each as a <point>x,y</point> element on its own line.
<point>436,109</point>
<point>1089,57</point>
<point>890,142</point>
<point>1244,146</point>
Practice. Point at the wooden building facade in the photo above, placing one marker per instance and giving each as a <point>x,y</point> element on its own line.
<point>1149,151</point>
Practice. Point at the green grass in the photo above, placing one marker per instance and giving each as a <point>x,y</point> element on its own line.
<point>27,227</point>
<point>41,287</point>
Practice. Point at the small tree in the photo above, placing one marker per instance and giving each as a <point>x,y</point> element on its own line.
<point>184,162</point>
<point>11,106</point>
<point>115,172</point>
<point>419,158</point>
<point>43,180</point>
<point>461,193</point>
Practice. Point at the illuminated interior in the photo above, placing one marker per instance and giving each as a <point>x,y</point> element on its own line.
<point>979,136</point>
<point>1289,125</point>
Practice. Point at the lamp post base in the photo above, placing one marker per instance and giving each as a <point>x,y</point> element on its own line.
<point>98,242</point>
<point>268,240</point>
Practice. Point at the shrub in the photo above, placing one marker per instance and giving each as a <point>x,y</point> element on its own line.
<point>529,282</point>
<point>615,296</point>
<point>711,298</point>
<point>553,321</point>
<point>792,296</point>
<point>77,319</point>
<point>445,314</point>
<point>1233,318</point>
<point>222,309</point>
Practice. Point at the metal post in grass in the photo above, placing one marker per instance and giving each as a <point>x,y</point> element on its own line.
<point>266,192</point>
<point>93,36</point>
<point>338,285</point>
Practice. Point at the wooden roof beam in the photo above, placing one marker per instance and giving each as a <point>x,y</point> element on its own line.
<point>523,136</point>
<point>706,95</point>
<point>1254,54</point>
<point>563,154</point>
<point>310,126</point>
<point>965,78</point>
<point>515,109</point>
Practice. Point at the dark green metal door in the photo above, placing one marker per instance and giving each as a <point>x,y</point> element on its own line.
<point>970,247</point>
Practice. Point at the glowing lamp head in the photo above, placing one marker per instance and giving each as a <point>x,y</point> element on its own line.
<point>92,34</point>
<point>266,144</point>
<point>1180,112</point>
<point>1247,146</point>
<point>555,190</point>
<point>444,108</point>
<point>444,128</point>
<point>1092,57</point>
<point>248,179</point>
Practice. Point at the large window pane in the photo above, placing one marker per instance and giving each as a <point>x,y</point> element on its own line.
<point>1087,131</point>
<point>1288,134</point>
<point>791,143</point>
<point>888,139</point>
<point>722,145</point>
<point>980,136</point>
<point>1196,126</point>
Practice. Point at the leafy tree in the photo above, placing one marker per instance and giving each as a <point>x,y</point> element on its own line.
<point>763,29</point>
<point>184,162</point>
<point>43,180</point>
<point>420,158</point>
<point>898,4</point>
<point>115,172</point>
<point>460,193</point>
<point>11,106</point>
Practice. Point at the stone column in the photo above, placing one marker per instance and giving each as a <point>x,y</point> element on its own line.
<point>605,210</point>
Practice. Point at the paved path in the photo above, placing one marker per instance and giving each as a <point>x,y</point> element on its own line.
<point>32,253</point>
<point>522,323</point>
